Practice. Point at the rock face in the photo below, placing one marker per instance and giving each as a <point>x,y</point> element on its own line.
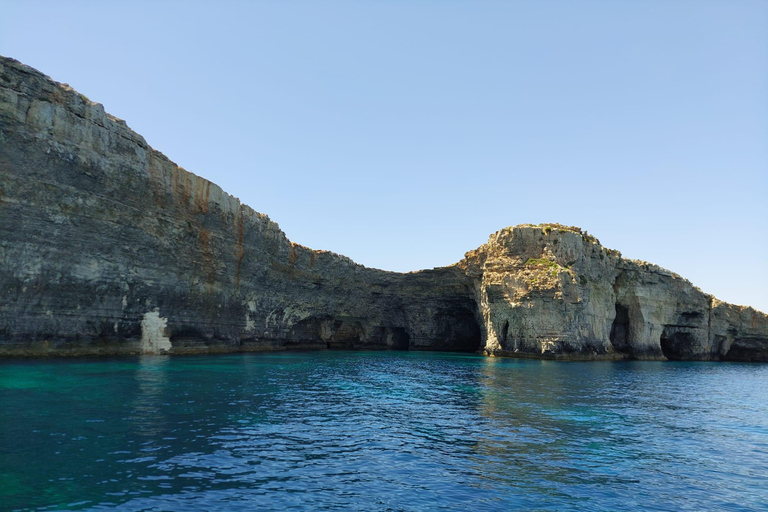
<point>106,246</point>
<point>554,291</point>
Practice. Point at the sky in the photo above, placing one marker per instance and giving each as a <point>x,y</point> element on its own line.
<point>403,133</point>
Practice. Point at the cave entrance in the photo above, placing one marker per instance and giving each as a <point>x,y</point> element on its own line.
<point>397,338</point>
<point>458,331</point>
<point>676,344</point>
<point>345,335</point>
<point>620,330</point>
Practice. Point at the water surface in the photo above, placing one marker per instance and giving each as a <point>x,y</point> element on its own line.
<point>381,431</point>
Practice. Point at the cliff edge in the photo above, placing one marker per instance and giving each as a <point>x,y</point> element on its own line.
<point>109,247</point>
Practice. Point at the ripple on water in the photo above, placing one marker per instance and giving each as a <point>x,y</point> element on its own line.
<point>339,430</point>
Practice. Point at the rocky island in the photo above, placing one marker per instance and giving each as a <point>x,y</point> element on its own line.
<point>108,247</point>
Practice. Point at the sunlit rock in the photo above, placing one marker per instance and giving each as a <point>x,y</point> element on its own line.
<point>100,235</point>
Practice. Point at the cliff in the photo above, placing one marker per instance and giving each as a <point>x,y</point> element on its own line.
<point>109,247</point>
<point>554,291</point>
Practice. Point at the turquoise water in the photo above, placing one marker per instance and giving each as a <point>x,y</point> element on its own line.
<point>383,431</point>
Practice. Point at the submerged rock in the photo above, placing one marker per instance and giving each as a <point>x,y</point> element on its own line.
<point>109,247</point>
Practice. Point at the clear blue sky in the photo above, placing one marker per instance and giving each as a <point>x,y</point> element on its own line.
<point>403,133</point>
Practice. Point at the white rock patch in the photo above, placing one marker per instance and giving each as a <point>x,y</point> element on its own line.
<point>250,325</point>
<point>153,338</point>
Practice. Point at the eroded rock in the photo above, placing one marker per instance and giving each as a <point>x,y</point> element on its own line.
<point>554,291</point>
<point>109,247</point>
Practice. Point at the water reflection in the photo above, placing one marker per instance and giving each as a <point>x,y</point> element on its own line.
<point>148,411</point>
<point>386,431</point>
<point>551,429</point>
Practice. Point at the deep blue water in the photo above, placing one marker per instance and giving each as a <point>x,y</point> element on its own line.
<point>381,431</point>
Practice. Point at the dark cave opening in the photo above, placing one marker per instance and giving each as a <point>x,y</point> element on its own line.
<point>346,334</point>
<point>307,332</point>
<point>458,331</point>
<point>453,328</point>
<point>504,333</point>
<point>620,329</point>
<point>397,338</point>
<point>676,345</point>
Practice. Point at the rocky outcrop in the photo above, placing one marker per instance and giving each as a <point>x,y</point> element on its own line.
<point>109,247</point>
<point>554,291</point>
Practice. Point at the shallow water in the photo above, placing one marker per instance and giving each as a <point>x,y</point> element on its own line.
<point>336,430</point>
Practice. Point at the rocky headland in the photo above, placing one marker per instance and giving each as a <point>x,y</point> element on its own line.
<point>108,247</point>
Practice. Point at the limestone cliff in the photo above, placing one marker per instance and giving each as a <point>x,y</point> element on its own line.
<point>108,247</point>
<point>553,290</point>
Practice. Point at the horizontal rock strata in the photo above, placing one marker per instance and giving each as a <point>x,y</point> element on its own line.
<point>108,247</point>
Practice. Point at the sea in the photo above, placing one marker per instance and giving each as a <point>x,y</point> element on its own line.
<point>381,431</point>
